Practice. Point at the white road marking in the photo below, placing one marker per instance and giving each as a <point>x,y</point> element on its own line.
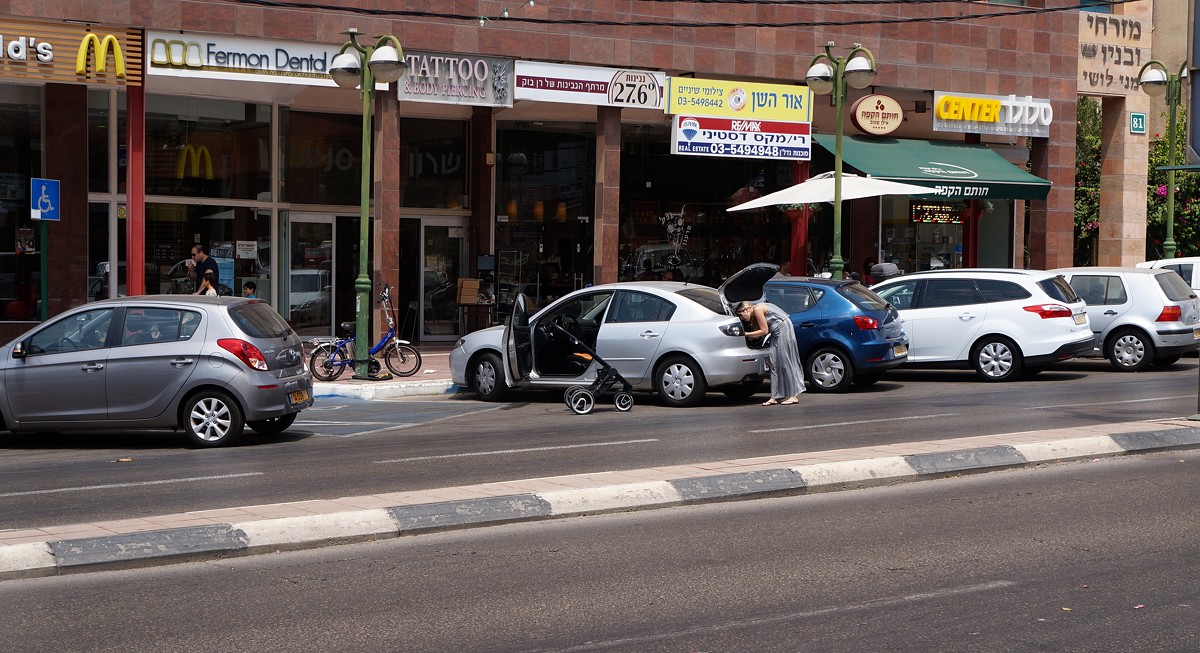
<point>634,642</point>
<point>166,481</point>
<point>1109,403</point>
<point>500,452</point>
<point>861,421</point>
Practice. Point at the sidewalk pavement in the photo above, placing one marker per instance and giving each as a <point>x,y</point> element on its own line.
<point>212,534</point>
<point>433,379</point>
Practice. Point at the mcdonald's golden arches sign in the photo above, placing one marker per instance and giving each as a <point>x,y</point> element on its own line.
<point>70,54</point>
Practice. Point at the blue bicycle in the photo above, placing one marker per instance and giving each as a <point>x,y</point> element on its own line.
<point>333,355</point>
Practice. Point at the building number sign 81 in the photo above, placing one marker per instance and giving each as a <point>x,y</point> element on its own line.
<point>634,88</point>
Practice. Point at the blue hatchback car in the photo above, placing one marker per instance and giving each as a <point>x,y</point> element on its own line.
<point>845,332</point>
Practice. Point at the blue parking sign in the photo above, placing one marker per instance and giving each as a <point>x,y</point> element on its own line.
<point>43,199</point>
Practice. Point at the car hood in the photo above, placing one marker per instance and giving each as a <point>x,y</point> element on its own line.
<point>746,285</point>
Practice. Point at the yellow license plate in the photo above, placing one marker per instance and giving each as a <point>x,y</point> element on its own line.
<point>1080,318</point>
<point>299,396</point>
<point>900,350</point>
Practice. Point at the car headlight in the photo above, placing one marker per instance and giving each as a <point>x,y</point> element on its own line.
<point>460,343</point>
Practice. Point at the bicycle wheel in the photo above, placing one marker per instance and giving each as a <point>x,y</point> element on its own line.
<point>402,360</point>
<point>325,363</point>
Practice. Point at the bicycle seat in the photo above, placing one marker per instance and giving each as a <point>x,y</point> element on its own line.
<point>347,329</point>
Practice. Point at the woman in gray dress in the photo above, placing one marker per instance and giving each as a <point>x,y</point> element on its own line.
<point>787,375</point>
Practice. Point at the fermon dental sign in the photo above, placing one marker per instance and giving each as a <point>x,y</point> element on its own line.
<point>233,58</point>
<point>1009,115</point>
<point>734,137</point>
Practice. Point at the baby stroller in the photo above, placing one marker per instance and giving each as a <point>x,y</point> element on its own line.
<point>582,399</point>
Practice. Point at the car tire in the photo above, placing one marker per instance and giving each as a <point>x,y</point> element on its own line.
<point>487,378</point>
<point>829,370</point>
<point>1129,350</point>
<point>744,390</point>
<point>996,358</point>
<point>212,418</point>
<point>679,382</point>
<point>1167,361</point>
<point>274,425</point>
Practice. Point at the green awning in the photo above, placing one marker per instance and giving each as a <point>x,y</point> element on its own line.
<point>955,170</point>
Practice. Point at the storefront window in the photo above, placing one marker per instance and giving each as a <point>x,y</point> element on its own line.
<point>207,148</point>
<point>433,164</point>
<point>544,190</point>
<point>321,155</point>
<point>237,237</point>
<point>20,237</point>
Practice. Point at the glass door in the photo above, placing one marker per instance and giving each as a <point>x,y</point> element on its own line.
<point>443,250</point>
<point>307,287</point>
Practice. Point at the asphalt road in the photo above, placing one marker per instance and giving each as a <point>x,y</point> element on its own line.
<point>353,448</point>
<point>1087,556</point>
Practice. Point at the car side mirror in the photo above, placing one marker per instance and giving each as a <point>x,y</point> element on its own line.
<point>18,350</point>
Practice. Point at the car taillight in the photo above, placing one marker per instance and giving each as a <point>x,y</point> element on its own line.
<point>1170,314</point>
<point>1047,311</point>
<point>731,329</point>
<point>866,322</point>
<point>245,352</point>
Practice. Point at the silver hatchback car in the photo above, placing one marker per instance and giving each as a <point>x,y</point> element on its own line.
<point>207,365</point>
<point>1140,316</point>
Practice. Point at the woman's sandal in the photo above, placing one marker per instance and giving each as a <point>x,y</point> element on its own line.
<point>770,402</point>
<point>790,401</point>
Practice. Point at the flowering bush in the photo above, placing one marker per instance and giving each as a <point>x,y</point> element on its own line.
<point>1187,192</point>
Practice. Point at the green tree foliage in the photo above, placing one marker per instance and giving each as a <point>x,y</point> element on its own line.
<point>1187,196</point>
<point>1087,180</point>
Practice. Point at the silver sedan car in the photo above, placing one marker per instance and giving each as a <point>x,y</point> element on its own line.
<point>674,339</point>
<point>207,365</point>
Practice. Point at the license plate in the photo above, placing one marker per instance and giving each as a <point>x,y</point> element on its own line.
<point>1080,318</point>
<point>900,350</point>
<point>299,396</point>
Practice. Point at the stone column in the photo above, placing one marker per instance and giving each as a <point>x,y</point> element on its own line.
<point>606,224</point>
<point>1122,240</point>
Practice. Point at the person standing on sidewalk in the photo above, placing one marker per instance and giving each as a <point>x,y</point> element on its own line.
<point>203,263</point>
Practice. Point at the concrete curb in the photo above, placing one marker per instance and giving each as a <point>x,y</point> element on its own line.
<point>223,540</point>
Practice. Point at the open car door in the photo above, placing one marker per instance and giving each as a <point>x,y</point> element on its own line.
<point>518,349</point>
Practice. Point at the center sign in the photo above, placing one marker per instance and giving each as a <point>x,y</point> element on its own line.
<point>733,137</point>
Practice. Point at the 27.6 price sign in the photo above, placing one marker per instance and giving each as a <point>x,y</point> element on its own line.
<point>636,89</point>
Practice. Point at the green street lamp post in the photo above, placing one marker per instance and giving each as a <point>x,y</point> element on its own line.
<point>830,74</point>
<point>1156,81</point>
<point>384,63</point>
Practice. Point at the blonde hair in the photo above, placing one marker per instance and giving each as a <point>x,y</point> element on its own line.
<point>743,306</point>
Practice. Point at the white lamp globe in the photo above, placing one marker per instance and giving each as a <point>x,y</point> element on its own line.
<point>346,70</point>
<point>860,72</point>
<point>820,78</point>
<point>1154,81</point>
<point>387,64</point>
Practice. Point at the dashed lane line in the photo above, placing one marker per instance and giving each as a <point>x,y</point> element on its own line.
<point>502,452</point>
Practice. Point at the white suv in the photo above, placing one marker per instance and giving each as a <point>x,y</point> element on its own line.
<point>999,322</point>
<point>1187,267</point>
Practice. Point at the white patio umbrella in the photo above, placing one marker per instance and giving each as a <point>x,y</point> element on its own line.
<point>820,189</point>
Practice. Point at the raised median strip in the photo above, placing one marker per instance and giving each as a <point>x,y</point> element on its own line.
<point>761,477</point>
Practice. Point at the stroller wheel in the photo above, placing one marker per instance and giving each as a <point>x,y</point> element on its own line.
<point>570,394</point>
<point>623,401</point>
<point>582,402</point>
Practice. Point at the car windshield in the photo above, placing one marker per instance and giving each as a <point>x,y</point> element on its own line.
<point>707,297</point>
<point>1173,285</point>
<point>1058,288</point>
<point>862,296</point>
<point>259,320</point>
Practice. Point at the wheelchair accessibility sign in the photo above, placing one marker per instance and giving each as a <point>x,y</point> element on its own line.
<point>43,196</point>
